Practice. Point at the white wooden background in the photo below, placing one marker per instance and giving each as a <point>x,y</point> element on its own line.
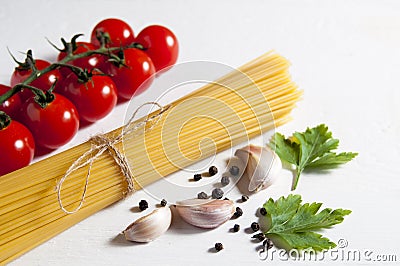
<point>345,55</point>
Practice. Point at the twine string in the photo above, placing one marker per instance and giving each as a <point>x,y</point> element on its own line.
<point>101,143</point>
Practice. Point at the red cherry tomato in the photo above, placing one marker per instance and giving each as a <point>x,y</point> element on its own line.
<point>44,82</point>
<point>161,45</point>
<point>94,99</point>
<point>52,126</point>
<point>17,147</point>
<point>88,62</point>
<point>12,105</point>
<point>121,34</point>
<point>135,77</point>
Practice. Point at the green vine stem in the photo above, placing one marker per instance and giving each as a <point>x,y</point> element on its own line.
<point>41,97</point>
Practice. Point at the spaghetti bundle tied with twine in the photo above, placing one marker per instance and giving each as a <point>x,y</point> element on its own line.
<point>245,103</point>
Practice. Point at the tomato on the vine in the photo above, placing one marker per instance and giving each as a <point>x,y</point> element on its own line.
<point>53,125</point>
<point>11,105</point>
<point>160,44</point>
<point>17,147</point>
<point>44,82</point>
<point>134,76</point>
<point>119,33</point>
<point>93,99</point>
<point>88,62</point>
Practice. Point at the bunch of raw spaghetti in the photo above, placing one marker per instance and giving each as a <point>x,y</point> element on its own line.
<point>245,103</point>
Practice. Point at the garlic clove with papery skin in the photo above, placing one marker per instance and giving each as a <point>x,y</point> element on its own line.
<point>205,213</point>
<point>149,227</point>
<point>262,166</point>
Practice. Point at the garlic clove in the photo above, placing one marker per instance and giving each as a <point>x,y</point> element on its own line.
<point>263,166</point>
<point>149,227</point>
<point>205,213</point>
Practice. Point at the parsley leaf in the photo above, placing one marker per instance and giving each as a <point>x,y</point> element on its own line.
<point>296,223</point>
<point>311,149</point>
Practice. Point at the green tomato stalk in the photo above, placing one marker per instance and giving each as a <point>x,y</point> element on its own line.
<point>43,98</point>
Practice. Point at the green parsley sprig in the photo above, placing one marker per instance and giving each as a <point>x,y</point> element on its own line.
<point>297,223</point>
<point>308,150</point>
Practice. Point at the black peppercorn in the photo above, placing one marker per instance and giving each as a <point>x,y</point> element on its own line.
<point>213,170</point>
<point>259,236</point>
<point>268,244</point>
<point>219,246</point>
<point>245,198</point>
<point>263,211</point>
<point>234,170</point>
<point>163,203</point>
<point>255,226</point>
<point>225,180</point>
<point>143,205</point>
<point>236,228</point>
<point>197,177</point>
<point>217,193</point>
<point>202,195</point>
<point>238,212</point>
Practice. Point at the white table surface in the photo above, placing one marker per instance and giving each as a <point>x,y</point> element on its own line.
<point>345,55</point>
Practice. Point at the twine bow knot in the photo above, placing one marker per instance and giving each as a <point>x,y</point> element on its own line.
<point>101,143</point>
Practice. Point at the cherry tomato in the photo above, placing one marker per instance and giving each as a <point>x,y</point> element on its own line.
<point>44,82</point>
<point>161,45</point>
<point>88,62</point>
<point>17,147</point>
<point>52,126</point>
<point>135,77</point>
<point>12,105</point>
<point>121,34</point>
<point>94,99</point>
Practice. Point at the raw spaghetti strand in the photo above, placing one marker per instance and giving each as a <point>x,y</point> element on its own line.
<point>100,144</point>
